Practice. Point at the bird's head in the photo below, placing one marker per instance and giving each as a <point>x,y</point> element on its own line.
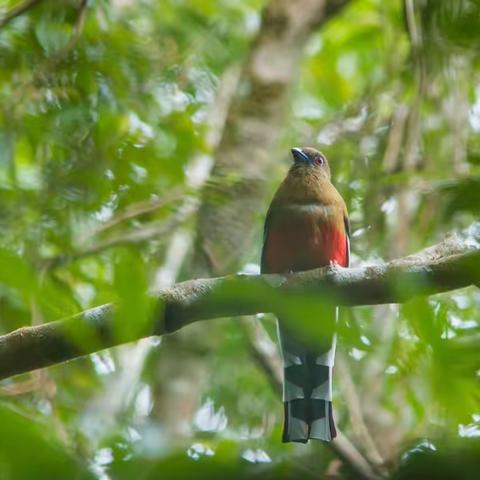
<point>310,158</point>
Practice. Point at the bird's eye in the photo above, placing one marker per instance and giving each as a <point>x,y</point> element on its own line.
<point>318,161</point>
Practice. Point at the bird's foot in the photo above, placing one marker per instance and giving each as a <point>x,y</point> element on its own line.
<point>333,266</point>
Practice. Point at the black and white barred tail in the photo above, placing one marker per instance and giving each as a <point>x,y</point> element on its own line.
<point>307,390</point>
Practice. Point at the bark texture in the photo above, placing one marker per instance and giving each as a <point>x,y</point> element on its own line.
<point>438,269</point>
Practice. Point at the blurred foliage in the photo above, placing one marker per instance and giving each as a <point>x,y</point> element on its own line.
<point>105,104</point>
<point>444,461</point>
<point>21,437</point>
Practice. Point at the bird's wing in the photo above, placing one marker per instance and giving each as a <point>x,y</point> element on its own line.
<point>266,230</point>
<point>346,222</point>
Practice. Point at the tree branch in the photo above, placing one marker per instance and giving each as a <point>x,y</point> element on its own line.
<point>29,348</point>
<point>149,231</point>
<point>135,210</point>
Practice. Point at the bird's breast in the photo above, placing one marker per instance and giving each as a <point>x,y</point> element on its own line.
<point>304,236</point>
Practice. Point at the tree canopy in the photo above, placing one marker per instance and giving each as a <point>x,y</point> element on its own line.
<point>140,143</point>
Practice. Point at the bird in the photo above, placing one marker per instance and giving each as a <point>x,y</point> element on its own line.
<point>306,227</point>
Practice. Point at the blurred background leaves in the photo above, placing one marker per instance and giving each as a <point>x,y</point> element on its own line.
<point>106,134</point>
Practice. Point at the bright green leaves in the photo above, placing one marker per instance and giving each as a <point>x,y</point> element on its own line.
<point>135,305</point>
<point>349,56</point>
<point>16,273</point>
<point>52,36</point>
<point>440,351</point>
<point>30,449</point>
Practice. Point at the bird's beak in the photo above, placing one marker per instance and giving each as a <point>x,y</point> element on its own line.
<point>299,156</point>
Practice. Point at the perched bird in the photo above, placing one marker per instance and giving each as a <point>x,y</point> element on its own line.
<point>306,227</point>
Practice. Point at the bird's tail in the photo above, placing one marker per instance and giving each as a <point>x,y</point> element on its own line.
<point>307,390</point>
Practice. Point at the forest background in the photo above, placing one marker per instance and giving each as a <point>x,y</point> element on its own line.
<point>140,144</point>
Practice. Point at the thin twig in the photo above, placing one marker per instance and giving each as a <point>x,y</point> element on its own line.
<point>394,142</point>
<point>62,54</point>
<point>264,352</point>
<point>77,32</point>
<point>356,415</point>
<point>18,10</point>
<point>139,209</point>
<point>347,452</point>
<point>21,388</point>
<point>138,235</point>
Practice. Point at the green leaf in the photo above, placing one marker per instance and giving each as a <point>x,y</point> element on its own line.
<point>29,449</point>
